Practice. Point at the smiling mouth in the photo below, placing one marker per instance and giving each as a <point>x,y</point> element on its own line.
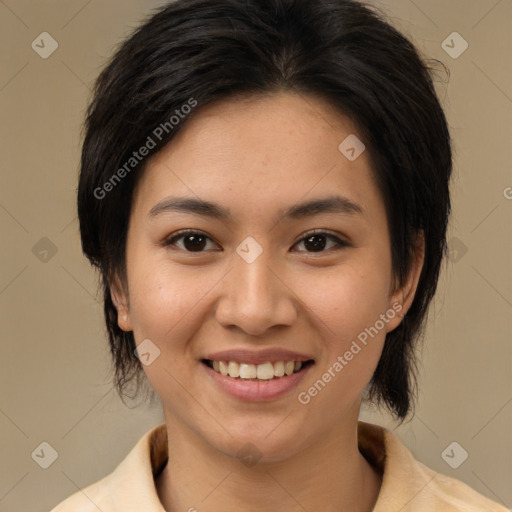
<point>264,371</point>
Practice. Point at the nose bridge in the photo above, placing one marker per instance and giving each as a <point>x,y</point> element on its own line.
<point>255,298</point>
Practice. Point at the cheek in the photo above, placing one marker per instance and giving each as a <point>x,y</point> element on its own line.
<point>347,307</point>
<point>346,300</point>
<point>163,302</point>
<point>167,308</point>
<point>345,314</point>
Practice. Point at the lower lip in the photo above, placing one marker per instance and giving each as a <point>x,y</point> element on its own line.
<point>256,390</point>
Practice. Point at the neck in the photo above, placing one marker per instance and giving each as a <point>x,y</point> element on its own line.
<point>330,475</point>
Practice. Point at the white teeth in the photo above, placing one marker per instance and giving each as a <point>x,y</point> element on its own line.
<point>248,371</point>
<point>279,369</point>
<point>265,371</point>
<point>223,368</point>
<point>233,369</point>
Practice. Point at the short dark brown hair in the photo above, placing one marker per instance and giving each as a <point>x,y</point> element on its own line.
<point>207,50</point>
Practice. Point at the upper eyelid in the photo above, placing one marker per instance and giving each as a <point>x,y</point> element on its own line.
<point>183,232</point>
<point>320,231</point>
<point>339,239</point>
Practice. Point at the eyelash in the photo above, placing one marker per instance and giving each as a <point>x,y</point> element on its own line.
<point>180,234</point>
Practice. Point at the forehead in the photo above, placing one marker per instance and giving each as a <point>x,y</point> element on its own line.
<point>259,154</point>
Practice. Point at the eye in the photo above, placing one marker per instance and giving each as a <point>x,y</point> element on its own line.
<point>191,241</point>
<point>320,241</point>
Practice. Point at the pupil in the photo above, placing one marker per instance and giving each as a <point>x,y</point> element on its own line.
<point>315,242</point>
<point>194,242</point>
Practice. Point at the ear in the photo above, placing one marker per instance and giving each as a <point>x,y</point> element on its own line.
<point>120,298</point>
<point>401,298</point>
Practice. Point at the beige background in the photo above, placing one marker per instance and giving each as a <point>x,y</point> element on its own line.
<point>54,380</point>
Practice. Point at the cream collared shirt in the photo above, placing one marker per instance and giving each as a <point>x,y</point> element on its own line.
<point>407,484</point>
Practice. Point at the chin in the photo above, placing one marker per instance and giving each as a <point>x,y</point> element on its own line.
<point>266,441</point>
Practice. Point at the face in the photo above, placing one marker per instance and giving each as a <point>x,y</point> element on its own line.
<point>256,247</point>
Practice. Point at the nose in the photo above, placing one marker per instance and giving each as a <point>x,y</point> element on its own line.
<point>255,297</point>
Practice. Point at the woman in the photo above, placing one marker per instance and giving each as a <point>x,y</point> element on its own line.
<point>264,188</point>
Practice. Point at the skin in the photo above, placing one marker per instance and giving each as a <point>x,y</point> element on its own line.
<point>257,156</point>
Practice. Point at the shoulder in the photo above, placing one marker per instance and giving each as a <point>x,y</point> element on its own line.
<point>130,486</point>
<point>410,486</point>
<point>91,499</point>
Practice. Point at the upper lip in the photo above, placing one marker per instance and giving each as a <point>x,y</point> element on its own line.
<point>257,356</point>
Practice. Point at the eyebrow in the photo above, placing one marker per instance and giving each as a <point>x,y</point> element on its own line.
<point>331,204</point>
